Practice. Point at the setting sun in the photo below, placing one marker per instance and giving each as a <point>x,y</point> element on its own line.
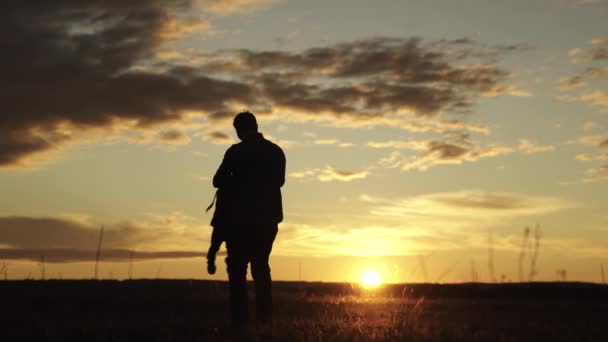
<point>370,279</point>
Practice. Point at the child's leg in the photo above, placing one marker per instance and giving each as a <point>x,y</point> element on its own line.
<point>216,242</point>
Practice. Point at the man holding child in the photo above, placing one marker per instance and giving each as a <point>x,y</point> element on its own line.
<point>248,211</point>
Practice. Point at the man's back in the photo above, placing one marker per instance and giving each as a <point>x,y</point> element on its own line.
<point>256,169</point>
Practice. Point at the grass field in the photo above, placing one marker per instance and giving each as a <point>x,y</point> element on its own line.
<point>183,310</point>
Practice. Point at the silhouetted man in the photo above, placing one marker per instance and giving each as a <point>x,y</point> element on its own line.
<point>254,172</point>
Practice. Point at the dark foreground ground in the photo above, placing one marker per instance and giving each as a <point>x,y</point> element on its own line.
<point>183,310</point>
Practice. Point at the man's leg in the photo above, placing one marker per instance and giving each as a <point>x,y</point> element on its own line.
<point>260,270</point>
<point>237,276</point>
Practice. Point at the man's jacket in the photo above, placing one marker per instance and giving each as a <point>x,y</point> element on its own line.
<point>254,172</point>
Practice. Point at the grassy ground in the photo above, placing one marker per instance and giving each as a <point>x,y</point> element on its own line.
<point>182,310</point>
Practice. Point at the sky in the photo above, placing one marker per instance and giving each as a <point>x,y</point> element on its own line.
<point>428,141</point>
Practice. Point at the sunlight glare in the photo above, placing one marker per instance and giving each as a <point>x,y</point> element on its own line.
<point>370,279</point>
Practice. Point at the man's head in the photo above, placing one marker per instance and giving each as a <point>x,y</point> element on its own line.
<point>245,124</point>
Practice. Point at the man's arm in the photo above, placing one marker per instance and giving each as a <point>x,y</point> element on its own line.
<point>225,173</point>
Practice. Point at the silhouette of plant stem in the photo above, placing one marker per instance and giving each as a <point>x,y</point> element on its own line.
<point>447,271</point>
<point>534,255</point>
<point>130,272</point>
<point>522,253</point>
<point>491,258</point>
<point>474,274</point>
<point>562,275</point>
<point>42,267</point>
<point>422,261</point>
<point>4,270</point>
<point>98,255</point>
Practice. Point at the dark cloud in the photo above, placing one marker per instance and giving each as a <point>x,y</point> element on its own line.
<point>62,255</point>
<point>174,137</point>
<point>446,151</point>
<point>44,232</point>
<point>600,52</point>
<point>456,148</point>
<point>370,78</point>
<point>92,64</point>
<point>469,204</point>
<point>487,201</point>
<point>588,81</point>
<point>65,240</point>
<point>217,137</point>
<point>578,80</point>
<point>68,62</point>
<point>596,52</point>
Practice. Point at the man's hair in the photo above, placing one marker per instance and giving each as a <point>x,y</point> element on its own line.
<point>245,121</point>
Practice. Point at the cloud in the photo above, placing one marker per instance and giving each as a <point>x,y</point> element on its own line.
<point>456,148</point>
<point>217,137</point>
<point>371,77</point>
<point>592,126</point>
<point>303,174</point>
<point>315,141</point>
<point>63,239</point>
<point>77,60</point>
<point>596,174</point>
<point>577,81</point>
<point>449,221</point>
<point>64,255</point>
<point>95,65</point>
<point>416,145</point>
<point>466,204</point>
<point>530,147</point>
<point>329,174</point>
<point>325,141</point>
<point>586,86</point>
<point>599,50</point>
<point>225,7</point>
<point>589,157</point>
<point>445,153</point>
<point>596,51</point>
<point>174,137</point>
<point>360,240</point>
<point>574,52</point>
<point>596,98</point>
<point>593,139</point>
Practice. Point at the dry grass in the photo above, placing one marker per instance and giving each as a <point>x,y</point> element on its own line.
<point>197,311</point>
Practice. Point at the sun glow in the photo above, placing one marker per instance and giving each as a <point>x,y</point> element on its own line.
<point>370,279</point>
